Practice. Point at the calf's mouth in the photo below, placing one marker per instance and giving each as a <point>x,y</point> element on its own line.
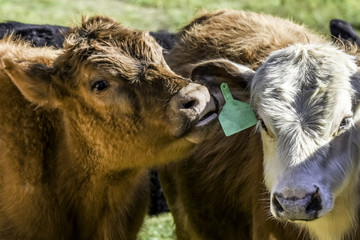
<point>206,125</point>
<point>210,114</point>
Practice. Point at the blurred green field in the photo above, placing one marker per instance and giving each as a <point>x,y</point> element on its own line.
<point>172,15</point>
<point>160,227</point>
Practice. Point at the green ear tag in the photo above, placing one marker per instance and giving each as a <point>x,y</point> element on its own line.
<point>235,115</point>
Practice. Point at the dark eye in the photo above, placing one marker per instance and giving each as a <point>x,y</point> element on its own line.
<point>345,123</point>
<point>262,124</point>
<point>100,85</point>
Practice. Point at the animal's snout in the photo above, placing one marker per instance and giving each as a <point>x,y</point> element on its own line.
<point>192,109</point>
<point>192,100</point>
<point>297,204</point>
<point>189,103</point>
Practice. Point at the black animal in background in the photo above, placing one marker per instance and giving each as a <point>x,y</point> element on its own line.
<point>343,30</point>
<point>39,35</point>
<point>53,35</point>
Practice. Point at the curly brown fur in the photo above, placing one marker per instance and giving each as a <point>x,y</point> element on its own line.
<point>242,37</point>
<point>78,132</point>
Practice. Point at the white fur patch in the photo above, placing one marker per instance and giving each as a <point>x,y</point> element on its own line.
<point>303,93</point>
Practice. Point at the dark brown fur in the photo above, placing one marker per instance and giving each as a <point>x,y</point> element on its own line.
<point>218,192</point>
<point>73,160</point>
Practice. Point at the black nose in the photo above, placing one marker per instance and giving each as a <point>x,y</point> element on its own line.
<point>295,207</point>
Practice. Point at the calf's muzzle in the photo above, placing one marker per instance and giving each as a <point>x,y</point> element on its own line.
<point>192,111</point>
<point>302,204</point>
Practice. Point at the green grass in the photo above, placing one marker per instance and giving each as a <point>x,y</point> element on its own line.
<point>160,227</point>
<point>172,15</point>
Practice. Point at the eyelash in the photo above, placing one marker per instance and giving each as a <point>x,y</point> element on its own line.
<point>345,123</point>
<point>262,124</point>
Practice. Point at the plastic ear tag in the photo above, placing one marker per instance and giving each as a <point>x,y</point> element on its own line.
<point>235,115</point>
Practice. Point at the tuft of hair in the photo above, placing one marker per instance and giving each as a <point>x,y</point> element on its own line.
<point>17,49</point>
<point>109,46</point>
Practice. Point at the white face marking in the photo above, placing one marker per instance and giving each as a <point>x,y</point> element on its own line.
<point>272,167</point>
<point>303,94</point>
<point>273,164</point>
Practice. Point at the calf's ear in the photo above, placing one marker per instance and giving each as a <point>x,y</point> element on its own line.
<point>212,73</point>
<point>34,80</point>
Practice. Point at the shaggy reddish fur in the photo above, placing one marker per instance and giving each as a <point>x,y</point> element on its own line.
<point>74,157</point>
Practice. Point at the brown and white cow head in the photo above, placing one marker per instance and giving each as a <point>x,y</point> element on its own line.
<point>305,97</point>
<point>116,91</point>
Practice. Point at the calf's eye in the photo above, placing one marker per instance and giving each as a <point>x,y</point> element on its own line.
<point>100,85</point>
<point>345,123</point>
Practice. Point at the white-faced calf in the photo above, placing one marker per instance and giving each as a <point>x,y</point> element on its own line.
<point>306,97</point>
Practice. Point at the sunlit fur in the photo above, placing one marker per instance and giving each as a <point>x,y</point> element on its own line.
<point>74,159</point>
<point>219,192</point>
<point>296,102</point>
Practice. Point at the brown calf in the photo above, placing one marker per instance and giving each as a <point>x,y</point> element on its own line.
<point>79,127</point>
<point>218,192</point>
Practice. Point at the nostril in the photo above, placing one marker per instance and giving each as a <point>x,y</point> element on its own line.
<point>314,205</point>
<point>277,204</point>
<point>189,104</point>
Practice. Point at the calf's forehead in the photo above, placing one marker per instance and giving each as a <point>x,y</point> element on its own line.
<point>112,48</point>
<point>304,85</point>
